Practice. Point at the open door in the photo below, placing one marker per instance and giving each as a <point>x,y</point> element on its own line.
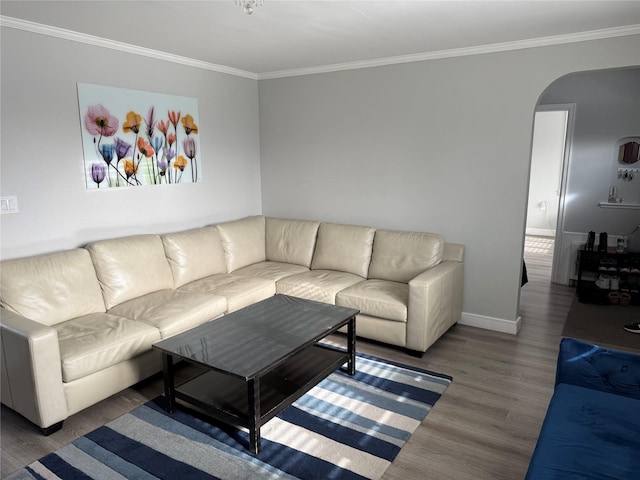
<point>553,128</point>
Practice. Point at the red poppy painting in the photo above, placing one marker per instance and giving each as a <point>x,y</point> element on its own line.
<point>132,138</point>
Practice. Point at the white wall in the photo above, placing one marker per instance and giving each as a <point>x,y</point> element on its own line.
<point>41,151</point>
<point>547,155</point>
<point>441,145</point>
<point>607,109</point>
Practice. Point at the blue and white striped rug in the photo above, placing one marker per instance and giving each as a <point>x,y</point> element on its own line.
<point>344,428</point>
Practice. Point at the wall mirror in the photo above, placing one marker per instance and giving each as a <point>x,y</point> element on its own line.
<point>628,150</point>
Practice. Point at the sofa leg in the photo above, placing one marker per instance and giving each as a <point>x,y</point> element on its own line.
<point>415,353</point>
<point>46,431</point>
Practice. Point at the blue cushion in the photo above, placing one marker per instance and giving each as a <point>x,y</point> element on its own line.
<point>588,434</point>
<point>590,366</point>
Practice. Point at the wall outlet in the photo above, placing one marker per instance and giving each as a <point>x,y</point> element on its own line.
<point>9,205</point>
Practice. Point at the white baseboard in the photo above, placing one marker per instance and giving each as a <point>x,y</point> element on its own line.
<point>490,323</point>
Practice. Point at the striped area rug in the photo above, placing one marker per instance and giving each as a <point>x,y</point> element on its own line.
<point>344,428</point>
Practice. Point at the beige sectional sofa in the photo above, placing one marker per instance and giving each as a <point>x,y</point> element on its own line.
<point>78,325</point>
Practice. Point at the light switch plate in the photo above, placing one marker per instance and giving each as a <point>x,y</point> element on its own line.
<point>9,204</point>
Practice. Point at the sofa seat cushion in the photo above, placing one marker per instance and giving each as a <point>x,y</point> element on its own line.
<point>271,270</point>
<point>318,285</point>
<point>240,291</point>
<point>51,288</point>
<point>590,432</point>
<point>97,341</point>
<point>377,298</point>
<point>173,311</point>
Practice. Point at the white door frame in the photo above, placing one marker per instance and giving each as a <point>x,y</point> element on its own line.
<point>570,108</point>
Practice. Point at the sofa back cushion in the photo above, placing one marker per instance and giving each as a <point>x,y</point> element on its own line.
<point>291,241</point>
<point>51,288</point>
<point>345,248</point>
<point>401,256</point>
<point>130,267</point>
<point>454,252</point>
<point>194,254</point>
<point>243,242</point>
<point>593,367</point>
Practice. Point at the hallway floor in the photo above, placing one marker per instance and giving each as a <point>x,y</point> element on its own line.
<point>538,255</point>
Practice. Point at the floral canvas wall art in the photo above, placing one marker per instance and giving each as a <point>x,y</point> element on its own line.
<point>132,138</point>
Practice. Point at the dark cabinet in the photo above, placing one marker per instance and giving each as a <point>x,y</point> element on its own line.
<point>608,277</point>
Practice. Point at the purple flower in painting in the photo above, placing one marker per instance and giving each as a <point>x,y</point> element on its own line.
<point>169,153</point>
<point>150,122</point>
<point>162,166</point>
<point>189,146</point>
<point>98,172</point>
<point>106,151</point>
<point>122,148</point>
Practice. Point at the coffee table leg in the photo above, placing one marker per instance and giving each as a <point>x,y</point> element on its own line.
<point>351,347</point>
<point>254,415</point>
<point>169,386</point>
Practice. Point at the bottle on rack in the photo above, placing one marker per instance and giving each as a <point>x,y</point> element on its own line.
<point>621,244</point>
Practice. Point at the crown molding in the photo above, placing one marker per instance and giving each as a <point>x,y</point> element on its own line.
<point>120,46</point>
<point>418,57</point>
<point>460,52</point>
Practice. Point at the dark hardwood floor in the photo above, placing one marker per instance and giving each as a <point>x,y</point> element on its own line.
<point>484,427</point>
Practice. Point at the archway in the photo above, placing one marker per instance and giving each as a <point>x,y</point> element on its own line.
<point>606,104</point>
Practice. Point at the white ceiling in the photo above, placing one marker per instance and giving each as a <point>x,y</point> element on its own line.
<point>301,35</point>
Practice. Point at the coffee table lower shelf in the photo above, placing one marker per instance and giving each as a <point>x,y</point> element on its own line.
<point>249,403</point>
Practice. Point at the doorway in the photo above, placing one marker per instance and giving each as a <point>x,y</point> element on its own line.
<point>545,207</point>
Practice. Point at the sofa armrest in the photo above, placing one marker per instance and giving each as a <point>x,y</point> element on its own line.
<point>435,304</point>
<point>597,368</point>
<point>31,370</point>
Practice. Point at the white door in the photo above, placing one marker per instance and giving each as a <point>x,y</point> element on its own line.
<point>551,152</point>
<point>547,158</point>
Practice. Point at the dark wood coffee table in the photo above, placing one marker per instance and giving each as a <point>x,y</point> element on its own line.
<point>259,360</point>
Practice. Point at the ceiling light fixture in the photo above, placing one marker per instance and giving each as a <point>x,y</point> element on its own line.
<point>249,5</point>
